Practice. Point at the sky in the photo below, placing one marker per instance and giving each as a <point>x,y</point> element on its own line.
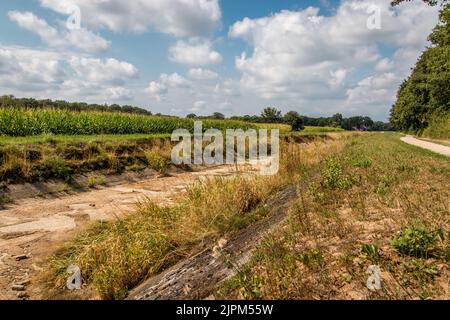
<point>203,56</point>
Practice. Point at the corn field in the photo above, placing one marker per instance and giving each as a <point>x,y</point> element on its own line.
<point>18,122</point>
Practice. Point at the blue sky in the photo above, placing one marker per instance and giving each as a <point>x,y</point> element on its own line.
<point>202,56</point>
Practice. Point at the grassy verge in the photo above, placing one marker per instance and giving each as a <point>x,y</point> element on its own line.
<point>379,202</point>
<point>116,256</point>
<point>50,138</point>
<point>61,159</point>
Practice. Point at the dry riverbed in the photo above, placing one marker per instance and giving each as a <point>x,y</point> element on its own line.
<point>32,229</point>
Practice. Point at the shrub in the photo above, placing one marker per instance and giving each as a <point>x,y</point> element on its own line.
<point>372,251</point>
<point>416,242</point>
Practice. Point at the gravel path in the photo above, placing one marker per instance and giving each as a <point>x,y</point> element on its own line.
<point>427,145</point>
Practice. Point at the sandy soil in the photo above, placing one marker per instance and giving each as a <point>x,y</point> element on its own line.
<point>427,145</point>
<point>32,229</point>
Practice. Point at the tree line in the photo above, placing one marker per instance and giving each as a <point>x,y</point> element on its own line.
<point>297,121</point>
<point>424,98</point>
<point>9,101</point>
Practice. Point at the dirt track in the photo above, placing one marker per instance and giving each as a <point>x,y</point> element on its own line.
<point>32,229</point>
<point>427,145</point>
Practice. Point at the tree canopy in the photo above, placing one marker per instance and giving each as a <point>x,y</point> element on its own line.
<point>271,115</point>
<point>426,93</point>
<point>295,120</point>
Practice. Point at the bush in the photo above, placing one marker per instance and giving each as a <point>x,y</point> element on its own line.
<point>416,242</point>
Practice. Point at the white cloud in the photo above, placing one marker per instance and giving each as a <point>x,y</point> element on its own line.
<point>195,52</point>
<point>174,80</point>
<point>198,105</point>
<point>374,89</point>
<point>183,18</point>
<point>385,64</point>
<point>119,93</point>
<point>57,75</point>
<point>338,77</point>
<point>202,74</point>
<point>110,71</point>
<point>86,40</point>
<point>225,106</point>
<point>30,22</point>
<point>228,87</point>
<point>301,57</point>
<point>158,89</point>
<point>29,70</point>
<point>79,38</point>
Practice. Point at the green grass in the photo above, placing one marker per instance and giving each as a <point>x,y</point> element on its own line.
<point>309,129</point>
<point>284,128</point>
<point>50,138</point>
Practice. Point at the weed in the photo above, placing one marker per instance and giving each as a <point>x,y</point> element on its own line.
<point>249,285</point>
<point>332,175</point>
<point>5,199</point>
<point>423,271</point>
<point>91,181</point>
<point>314,190</point>
<point>406,167</point>
<point>416,242</point>
<point>40,194</point>
<point>156,161</point>
<point>313,258</point>
<point>63,188</point>
<point>360,161</point>
<point>101,181</point>
<point>372,252</point>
